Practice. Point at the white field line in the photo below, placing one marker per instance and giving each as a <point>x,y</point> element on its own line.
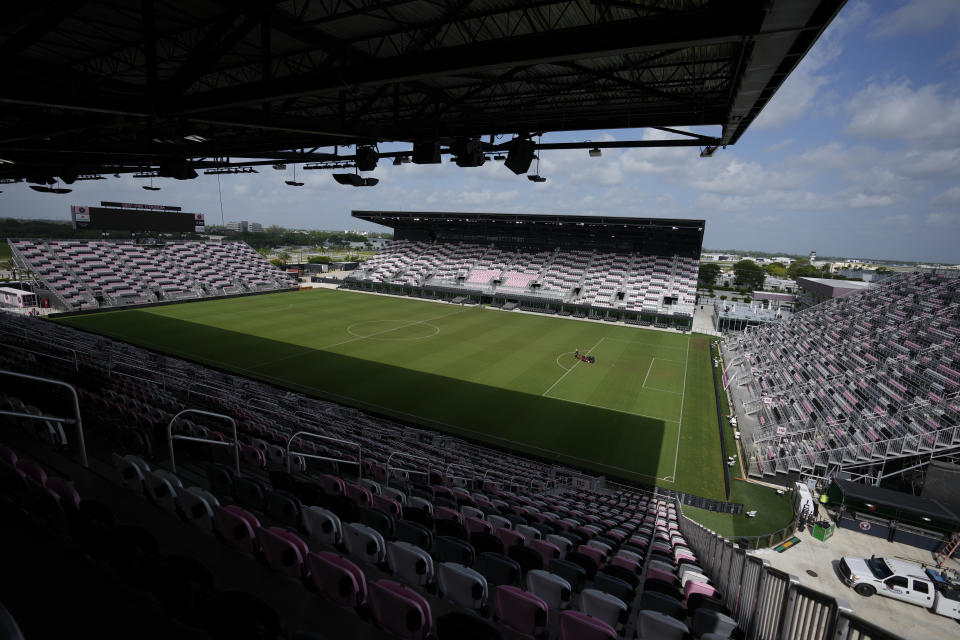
<point>644,385</point>
<point>343,342</point>
<point>683,396</point>
<point>565,373</point>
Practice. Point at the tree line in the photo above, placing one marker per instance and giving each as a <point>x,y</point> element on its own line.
<point>750,275</point>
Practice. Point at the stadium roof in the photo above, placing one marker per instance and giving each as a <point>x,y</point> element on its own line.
<point>394,218</point>
<point>101,86</point>
<point>833,288</point>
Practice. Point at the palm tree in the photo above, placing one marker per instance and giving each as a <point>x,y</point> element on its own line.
<point>283,257</point>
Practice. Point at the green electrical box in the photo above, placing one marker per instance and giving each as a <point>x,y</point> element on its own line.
<point>823,530</point>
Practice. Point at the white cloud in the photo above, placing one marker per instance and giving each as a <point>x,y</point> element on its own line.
<point>942,219</point>
<point>798,94</point>
<point>897,111</point>
<point>780,145</point>
<point>862,200</point>
<point>917,16</point>
<point>949,197</point>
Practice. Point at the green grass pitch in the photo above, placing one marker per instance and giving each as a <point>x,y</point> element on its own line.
<point>643,411</point>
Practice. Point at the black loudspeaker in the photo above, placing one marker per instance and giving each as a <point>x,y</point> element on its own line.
<point>426,152</point>
<point>367,158</point>
<point>520,155</point>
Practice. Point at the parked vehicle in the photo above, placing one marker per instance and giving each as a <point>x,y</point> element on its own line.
<point>903,580</point>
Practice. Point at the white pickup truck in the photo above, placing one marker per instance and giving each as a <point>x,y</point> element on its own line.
<point>903,580</point>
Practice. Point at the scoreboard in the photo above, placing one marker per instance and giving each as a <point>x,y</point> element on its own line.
<point>120,216</point>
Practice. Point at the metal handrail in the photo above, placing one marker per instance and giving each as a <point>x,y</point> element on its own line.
<point>235,444</point>
<point>446,472</point>
<point>74,360</point>
<point>202,384</point>
<point>163,379</point>
<point>358,463</point>
<point>407,455</point>
<point>76,407</point>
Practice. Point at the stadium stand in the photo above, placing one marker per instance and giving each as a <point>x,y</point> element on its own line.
<point>317,505</point>
<point>592,278</point>
<point>631,269</point>
<point>867,377</point>
<point>91,274</point>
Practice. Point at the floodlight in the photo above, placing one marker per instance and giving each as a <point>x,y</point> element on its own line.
<point>194,138</point>
<point>536,178</point>
<point>595,152</point>
<point>293,183</point>
<point>707,152</point>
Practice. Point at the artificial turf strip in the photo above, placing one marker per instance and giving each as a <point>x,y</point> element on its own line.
<point>507,378</point>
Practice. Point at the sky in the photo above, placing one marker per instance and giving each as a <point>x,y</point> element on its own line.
<point>857,155</point>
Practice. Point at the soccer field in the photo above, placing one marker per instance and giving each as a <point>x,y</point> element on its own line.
<point>643,411</point>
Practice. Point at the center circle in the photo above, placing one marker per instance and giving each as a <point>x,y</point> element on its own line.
<point>393,330</point>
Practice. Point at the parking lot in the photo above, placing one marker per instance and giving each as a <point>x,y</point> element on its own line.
<point>811,555</point>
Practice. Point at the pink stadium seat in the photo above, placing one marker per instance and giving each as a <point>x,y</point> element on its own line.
<point>575,625</point>
<point>519,610</point>
<point>400,610</point>
<point>337,578</point>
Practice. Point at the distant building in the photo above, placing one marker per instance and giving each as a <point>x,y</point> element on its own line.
<point>771,283</point>
<point>242,226</point>
<point>813,291</point>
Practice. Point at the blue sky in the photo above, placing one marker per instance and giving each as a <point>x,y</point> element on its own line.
<point>857,155</point>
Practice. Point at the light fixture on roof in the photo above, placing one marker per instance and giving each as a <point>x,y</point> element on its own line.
<point>707,152</point>
<point>536,177</point>
<point>151,187</point>
<point>230,170</point>
<point>293,183</point>
<point>5,161</point>
<point>194,138</point>
<point>397,161</point>
<point>280,166</point>
<point>595,152</point>
<point>355,180</point>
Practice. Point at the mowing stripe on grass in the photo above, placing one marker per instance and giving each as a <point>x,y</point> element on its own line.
<point>683,392</point>
<point>405,324</point>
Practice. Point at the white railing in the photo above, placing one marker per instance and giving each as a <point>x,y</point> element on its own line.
<point>81,443</point>
<point>217,443</point>
<point>309,434</point>
<point>410,456</point>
